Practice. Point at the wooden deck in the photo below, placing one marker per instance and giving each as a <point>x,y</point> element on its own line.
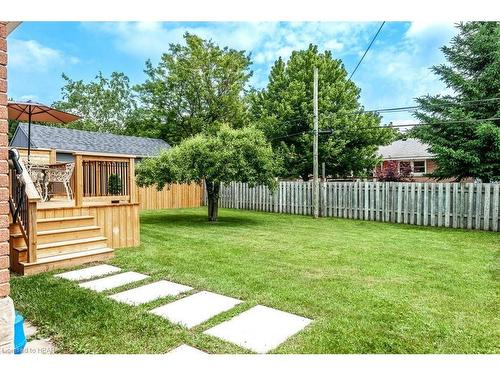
<point>62,233</point>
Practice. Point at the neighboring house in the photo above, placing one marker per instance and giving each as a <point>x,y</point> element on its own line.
<point>66,141</point>
<point>411,152</point>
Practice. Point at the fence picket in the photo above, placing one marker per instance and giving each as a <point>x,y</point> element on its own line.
<point>495,207</point>
<point>455,205</point>
<point>406,202</point>
<point>471,205</point>
<point>447,198</point>
<point>486,214</point>
<point>479,190</point>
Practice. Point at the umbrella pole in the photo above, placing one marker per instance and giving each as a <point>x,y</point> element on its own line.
<point>29,133</point>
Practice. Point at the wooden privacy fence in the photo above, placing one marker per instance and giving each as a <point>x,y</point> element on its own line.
<point>456,205</point>
<point>175,196</point>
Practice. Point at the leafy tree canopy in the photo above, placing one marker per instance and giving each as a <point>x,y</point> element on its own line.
<point>285,107</point>
<point>229,155</point>
<point>104,104</point>
<point>466,149</point>
<point>194,89</point>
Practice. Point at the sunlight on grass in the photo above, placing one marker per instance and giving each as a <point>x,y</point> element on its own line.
<point>369,287</point>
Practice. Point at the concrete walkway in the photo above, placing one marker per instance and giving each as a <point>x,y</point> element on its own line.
<point>259,329</point>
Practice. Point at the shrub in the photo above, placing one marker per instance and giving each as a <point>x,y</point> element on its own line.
<point>394,171</point>
<point>114,184</point>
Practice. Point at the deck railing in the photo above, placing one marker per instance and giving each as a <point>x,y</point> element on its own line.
<point>104,178</point>
<point>23,201</point>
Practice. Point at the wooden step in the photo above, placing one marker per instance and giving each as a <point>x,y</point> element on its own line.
<point>58,235</point>
<point>62,247</point>
<point>65,222</point>
<point>47,263</point>
<point>66,234</point>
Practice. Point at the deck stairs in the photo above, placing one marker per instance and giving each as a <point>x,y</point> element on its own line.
<point>61,242</point>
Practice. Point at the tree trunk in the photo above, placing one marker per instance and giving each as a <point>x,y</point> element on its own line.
<point>213,190</point>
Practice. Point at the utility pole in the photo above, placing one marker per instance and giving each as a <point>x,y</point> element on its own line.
<point>315,191</point>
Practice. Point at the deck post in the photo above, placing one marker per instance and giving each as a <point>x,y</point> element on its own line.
<point>78,180</point>
<point>53,156</point>
<point>132,185</point>
<point>32,232</point>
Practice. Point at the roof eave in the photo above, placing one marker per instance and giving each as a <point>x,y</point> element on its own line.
<point>11,26</point>
<point>410,157</point>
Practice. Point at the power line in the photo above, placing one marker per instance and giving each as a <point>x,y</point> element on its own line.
<point>364,54</point>
<point>291,135</point>
<point>392,110</point>
<point>447,103</point>
<point>442,122</point>
<point>330,131</point>
<point>302,120</point>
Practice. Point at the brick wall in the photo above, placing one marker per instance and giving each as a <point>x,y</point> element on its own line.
<point>4,210</point>
<point>6,304</point>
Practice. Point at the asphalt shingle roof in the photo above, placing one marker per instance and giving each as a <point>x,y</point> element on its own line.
<point>407,149</point>
<point>62,138</point>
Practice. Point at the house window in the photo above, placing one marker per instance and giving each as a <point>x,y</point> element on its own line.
<point>418,166</point>
<point>405,167</point>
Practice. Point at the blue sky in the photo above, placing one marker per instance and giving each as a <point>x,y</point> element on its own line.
<point>395,70</point>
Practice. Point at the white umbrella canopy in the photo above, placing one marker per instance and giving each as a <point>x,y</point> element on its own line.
<point>32,111</point>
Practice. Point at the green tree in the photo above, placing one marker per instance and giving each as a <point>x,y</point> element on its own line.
<point>229,155</point>
<point>194,89</point>
<point>12,128</point>
<point>104,104</point>
<point>285,107</point>
<point>466,149</point>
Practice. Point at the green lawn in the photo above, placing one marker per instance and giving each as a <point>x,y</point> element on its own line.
<point>370,287</point>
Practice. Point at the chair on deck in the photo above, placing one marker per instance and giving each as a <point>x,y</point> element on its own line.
<point>62,175</point>
<point>37,176</point>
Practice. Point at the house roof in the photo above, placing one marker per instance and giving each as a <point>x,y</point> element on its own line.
<point>61,138</point>
<point>405,149</point>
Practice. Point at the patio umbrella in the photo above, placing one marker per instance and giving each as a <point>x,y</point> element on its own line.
<point>33,111</point>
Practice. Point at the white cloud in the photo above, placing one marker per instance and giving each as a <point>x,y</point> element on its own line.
<point>395,71</point>
<point>419,29</point>
<point>400,71</point>
<point>266,40</point>
<point>26,97</point>
<point>30,55</point>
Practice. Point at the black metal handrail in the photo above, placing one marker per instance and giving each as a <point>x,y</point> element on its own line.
<point>18,199</point>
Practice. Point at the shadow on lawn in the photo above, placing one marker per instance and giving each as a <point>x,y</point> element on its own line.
<point>192,220</point>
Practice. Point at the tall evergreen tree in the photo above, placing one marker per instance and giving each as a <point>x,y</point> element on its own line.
<point>466,149</point>
<point>285,107</point>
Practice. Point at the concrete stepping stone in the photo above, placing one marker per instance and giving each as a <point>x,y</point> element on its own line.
<point>195,309</point>
<point>114,281</point>
<point>186,350</point>
<point>150,292</point>
<point>260,328</point>
<point>89,273</point>
<point>29,329</point>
